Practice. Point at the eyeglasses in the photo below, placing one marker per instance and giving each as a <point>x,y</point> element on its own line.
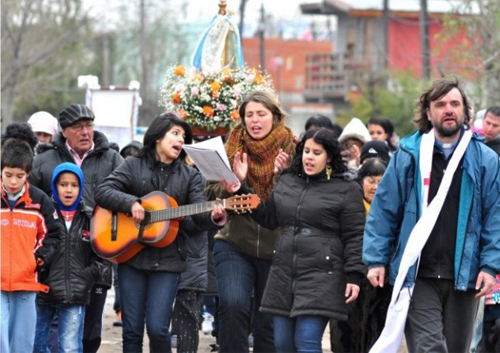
<point>79,127</point>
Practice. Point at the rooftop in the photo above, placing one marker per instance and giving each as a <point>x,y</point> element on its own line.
<point>338,7</point>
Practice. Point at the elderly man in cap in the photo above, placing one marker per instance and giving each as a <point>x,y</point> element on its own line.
<point>79,143</point>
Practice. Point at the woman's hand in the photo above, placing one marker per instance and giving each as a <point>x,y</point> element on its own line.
<point>231,187</point>
<point>240,165</point>
<point>351,292</point>
<point>137,212</point>
<point>281,162</point>
<point>219,215</point>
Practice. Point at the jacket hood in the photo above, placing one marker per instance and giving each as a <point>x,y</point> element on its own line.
<point>355,129</point>
<point>67,168</point>
<point>135,144</point>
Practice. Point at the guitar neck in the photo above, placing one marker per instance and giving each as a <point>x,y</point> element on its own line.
<point>183,211</point>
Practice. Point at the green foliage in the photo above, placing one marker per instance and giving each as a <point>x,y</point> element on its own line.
<point>397,102</point>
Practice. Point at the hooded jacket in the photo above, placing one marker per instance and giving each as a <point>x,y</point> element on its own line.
<point>396,209</point>
<point>29,230</point>
<point>75,266</point>
<point>319,248</point>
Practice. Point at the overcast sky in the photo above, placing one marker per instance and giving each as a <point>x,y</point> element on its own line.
<point>200,10</point>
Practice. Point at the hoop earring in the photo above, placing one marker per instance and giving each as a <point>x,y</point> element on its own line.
<point>329,171</point>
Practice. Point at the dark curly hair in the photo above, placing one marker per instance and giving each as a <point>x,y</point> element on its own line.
<point>18,144</point>
<point>326,138</point>
<point>439,89</point>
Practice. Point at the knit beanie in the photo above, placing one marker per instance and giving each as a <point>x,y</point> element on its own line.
<point>357,130</point>
<point>43,122</point>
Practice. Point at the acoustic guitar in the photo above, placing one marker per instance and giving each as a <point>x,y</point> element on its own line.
<point>117,238</point>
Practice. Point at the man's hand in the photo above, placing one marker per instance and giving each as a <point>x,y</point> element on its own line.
<point>376,276</point>
<point>484,283</point>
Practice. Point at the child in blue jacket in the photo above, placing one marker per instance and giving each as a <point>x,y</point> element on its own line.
<point>74,269</point>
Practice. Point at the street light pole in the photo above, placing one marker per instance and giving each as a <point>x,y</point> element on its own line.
<point>262,31</point>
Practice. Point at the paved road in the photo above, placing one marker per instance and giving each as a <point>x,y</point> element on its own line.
<point>112,340</point>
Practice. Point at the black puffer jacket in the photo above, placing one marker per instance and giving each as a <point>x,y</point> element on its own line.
<point>494,144</point>
<point>134,179</point>
<point>75,267</point>
<point>96,166</point>
<point>319,249</point>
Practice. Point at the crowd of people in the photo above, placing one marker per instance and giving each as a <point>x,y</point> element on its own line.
<point>374,236</point>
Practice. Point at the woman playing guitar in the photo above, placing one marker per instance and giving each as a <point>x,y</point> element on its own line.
<point>148,281</point>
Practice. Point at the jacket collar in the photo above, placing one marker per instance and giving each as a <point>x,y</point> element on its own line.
<point>26,198</point>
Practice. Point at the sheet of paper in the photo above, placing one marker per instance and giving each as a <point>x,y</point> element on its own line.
<point>214,144</point>
<point>211,160</point>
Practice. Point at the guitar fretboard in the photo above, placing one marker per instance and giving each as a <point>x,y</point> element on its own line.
<point>182,211</point>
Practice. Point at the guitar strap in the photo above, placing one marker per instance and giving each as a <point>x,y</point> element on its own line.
<point>114,226</point>
<point>141,231</point>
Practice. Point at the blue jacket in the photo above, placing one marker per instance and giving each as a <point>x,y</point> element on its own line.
<point>396,209</point>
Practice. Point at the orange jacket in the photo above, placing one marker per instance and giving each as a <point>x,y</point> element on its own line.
<point>29,231</point>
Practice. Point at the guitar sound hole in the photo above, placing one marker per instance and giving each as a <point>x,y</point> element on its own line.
<point>146,215</point>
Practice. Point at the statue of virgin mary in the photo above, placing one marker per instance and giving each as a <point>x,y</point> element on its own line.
<point>219,46</point>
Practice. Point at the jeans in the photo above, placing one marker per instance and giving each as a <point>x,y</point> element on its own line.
<point>237,276</point>
<point>146,296</point>
<point>70,319</point>
<point>299,334</point>
<point>18,321</point>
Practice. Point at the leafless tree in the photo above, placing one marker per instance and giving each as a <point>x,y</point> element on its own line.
<point>38,46</point>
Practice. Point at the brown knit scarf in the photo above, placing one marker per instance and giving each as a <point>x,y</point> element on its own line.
<point>261,154</point>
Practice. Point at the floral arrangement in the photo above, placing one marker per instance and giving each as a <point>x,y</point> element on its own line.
<point>210,101</point>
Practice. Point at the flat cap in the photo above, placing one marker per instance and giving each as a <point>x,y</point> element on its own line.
<point>70,115</point>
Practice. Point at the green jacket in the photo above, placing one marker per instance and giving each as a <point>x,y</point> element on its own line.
<point>241,231</point>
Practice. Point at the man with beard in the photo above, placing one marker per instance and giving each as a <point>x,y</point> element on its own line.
<point>447,261</point>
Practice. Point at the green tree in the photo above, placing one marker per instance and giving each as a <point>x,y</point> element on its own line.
<point>478,56</point>
<point>394,100</point>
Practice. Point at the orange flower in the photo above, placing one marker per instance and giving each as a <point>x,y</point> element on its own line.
<point>176,98</point>
<point>215,94</point>
<point>215,86</point>
<point>208,111</point>
<point>235,115</point>
<point>179,70</point>
<point>259,79</point>
<point>182,113</point>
